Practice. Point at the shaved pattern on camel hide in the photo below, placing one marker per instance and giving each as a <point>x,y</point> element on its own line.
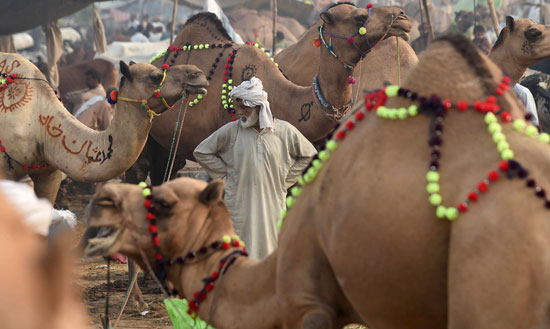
<point>305,112</point>
<point>92,153</point>
<point>16,96</point>
<point>8,68</point>
<point>248,72</point>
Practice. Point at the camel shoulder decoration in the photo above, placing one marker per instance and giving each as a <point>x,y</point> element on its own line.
<point>420,266</point>
<point>40,138</point>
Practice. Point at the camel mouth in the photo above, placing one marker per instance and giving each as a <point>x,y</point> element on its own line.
<point>195,89</point>
<point>402,32</point>
<point>102,243</point>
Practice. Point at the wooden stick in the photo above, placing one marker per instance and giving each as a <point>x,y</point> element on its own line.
<point>430,29</point>
<point>274,3</point>
<point>174,14</point>
<point>494,18</point>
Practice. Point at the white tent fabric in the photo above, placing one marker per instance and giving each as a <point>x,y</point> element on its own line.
<point>213,7</point>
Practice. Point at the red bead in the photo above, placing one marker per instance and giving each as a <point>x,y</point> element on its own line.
<point>503,86</point>
<point>157,93</point>
<point>225,72</point>
<point>202,297</point>
<point>215,275</point>
<point>369,5</point>
<point>447,103</point>
<point>472,196</point>
<point>9,80</point>
<point>493,175</point>
<point>33,167</point>
<point>14,75</point>
<point>236,244</point>
<point>340,135</point>
<point>506,117</point>
<point>503,165</point>
<point>482,187</point>
<point>165,66</point>
<point>150,216</point>
<point>153,228</point>
<point>317,42</point>
<point>351,40</point>
<point>228,59</point>
<point>196,294</point>
<point>478,106</point>
<point>226,66</point>
<point>209,286</point>
<point>225,79</point>
<point>506,80</point>
<point>2,148</point>
<point>225,245</point>
<point>158,256</point>
<point>147,203</point>
<point>462,207</point>
<point>350,125</point>
<point>191,304</point>
<point>156,241</point>
<point>462,105</point>
<point>233,119</point>
<point>499,91</point>
<point>492,99</point>
<point>25,167</point>
<point>359,115</point>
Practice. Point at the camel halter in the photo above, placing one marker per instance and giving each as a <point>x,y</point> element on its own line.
<point>145,102</point>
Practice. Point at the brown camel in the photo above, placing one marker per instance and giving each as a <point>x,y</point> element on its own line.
<point>300,63</point>
<point>38,291</point>
<point>51,140</point>
<point>520,44</point>
<point>71,77</point>
<point>289,102</point>
<point>377,247</point>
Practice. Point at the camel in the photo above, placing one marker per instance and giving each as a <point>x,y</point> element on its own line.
<point>290,102</point>
<point>71,77</point>
<point>37,286</point>
<point>51,140</point>
<point>380,252</point>
<point>521,44</point>
<point>299,63</point>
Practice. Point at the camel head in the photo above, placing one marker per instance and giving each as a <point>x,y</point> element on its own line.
<point>347,20</point>
<point>183,208</point>
<point>142,79</point>
<point>524,41</point>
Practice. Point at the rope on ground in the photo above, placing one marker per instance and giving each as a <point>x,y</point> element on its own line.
<point>128,292</point>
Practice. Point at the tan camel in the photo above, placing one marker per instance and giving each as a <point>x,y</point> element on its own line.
<point>38,291</point>
<point>288,101</point>
<point>40,138</point>
<point>378,246</point>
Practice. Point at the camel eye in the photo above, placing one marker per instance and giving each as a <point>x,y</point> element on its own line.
<point>532,34</point>
<point>156,78</point>
<point>360,19</point>
<point>106,203</point>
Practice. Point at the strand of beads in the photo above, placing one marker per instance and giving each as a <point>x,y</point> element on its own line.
<point>227,85</point>
<point>7,79</point>
<point>25,167</point>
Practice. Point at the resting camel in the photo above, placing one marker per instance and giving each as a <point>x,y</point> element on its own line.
<point>521,44</point>
<point>39,137</point>
<point>376,249</point>
<point>38,290</point>
<point>289,102</point>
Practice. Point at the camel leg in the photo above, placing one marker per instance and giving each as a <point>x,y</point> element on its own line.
<point>136,295</point>
<point>46,184</point>
<point>159,162</point>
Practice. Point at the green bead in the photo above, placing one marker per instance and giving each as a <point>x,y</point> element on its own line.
<point>224,85</point>
<point>206,46</point>
<point>490,118</point>
<point>324,155</point>
<point>531,131</point>
<point>494,127</point>
<point>498,137</point>
<point>262,49</point>
<point>307,178</point>
<point>391,91</point>
<point>312,171</point>
<point>519,125</point>
<point>142,184</point>
<point>230,81</point>
<point>362,30</point>
<point>451,213</point>
<point>284,212</point>
<point>199,96</point>
<point>432,188</point>
<point>196,101</point>
<point>435,199</point>
<point>332,145</point>
<point>195,47</point>
<point>290,201</point>
<point>392,114</point>
<point>503,145</point>
<point>545,138</point>
<point>317,163</point>
<point>146,192</point>
<point>224,91</point>
<point>143,106</point>
<point>440,211</point>
<point>201,46</point>
<point>280,224</point>
<point>230,87</point>
<point>224,97</point>
<point>382,111</point>
<point>402,113</point>
<point>295,191</point>
<point>413,110</point>
<point>301,181</point>
<point>432,176</point>
<point>507,154</point>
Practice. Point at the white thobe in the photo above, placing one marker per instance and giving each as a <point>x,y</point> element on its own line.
<point>259,167</point>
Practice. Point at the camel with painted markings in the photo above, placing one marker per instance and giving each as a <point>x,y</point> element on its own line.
<point>485,269</point>
<point>39,137</point>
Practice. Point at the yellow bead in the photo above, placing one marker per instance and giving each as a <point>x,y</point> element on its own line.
<point>362,30</point>
<point>435,199</point>
<point>490,118</point>
<point>451,213</point>
<point>230,87</point>
<point>413,110</point>
<point>432,176</point>
<point>201,46</point>
<point>332,145</point>
<point>381,111</point>
<point>545,138</point>
<point>146,192</point>
<point>440,211</point>
<point>391,91</point>
<point>317,163</point>
<point>519,125</point>
<point>392,114</point>
<point>262,49</point>
<point>199,96</point>
<point>296,191</point>
<point>280,224</point>
<point>432,188</point>
<point>402,113</point>
<point>196,47</point>
<point>503,145</point>
<point>531,131</point>
<point>494,127</point>
<point>195,101</point>
<point>498,137</point>
<point>272,59</point>
<point>290,201</point>
<point>256,45</point>
<point>507,154</point>
<point>142,184</point>
<point>206,46</point>
<point>226,238</point>
<point>230,81</point>
<point>324,156</point>
<point>191,104</point>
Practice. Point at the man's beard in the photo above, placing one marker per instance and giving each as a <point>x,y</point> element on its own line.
<point>249,121</point>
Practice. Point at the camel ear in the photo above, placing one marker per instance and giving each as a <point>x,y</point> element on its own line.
<point>212,193</point>
<point>125,70</point>
<point>510,23</point>
<point>132,63</point>
<point>327,17</point>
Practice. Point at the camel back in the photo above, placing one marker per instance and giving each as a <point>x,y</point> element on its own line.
<point>15,63</point>
<point>211,24</point>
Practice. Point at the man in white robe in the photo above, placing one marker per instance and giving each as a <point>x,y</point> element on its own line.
<point>261,157</point>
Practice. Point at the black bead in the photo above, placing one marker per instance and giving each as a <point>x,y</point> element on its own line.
<point>438,126</point>
<point>401,92</point>
<point>522,173</point>
<point>528,116</point>
<point>530,183</point>
<point>191,255</point>
<point>436,153</point>
<point>414,96</point>
<point>203,250</point>
<point>172,61</point>
<point>547,204</point>
<point>434,164</point>
<point>436,140</point>
<point>540,192</point>
<point>215,245</point>
<point>217,60</point>
<point>513,164</point>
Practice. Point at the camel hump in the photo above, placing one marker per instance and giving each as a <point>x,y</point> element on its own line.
<point>205,18</point>
<point>15,63</point>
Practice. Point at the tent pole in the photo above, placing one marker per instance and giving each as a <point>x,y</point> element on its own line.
<point>174,14</point>
<point>430,29</point>
<point>274,4</point>
<point>494,18</point>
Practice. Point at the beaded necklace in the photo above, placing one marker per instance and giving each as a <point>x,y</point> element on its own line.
<point>492,112</point>
<point>190,258</point>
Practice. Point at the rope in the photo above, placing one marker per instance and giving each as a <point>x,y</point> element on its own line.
<point>358,84</point>
<point>171,160</point>
<point>128,292</point>
<point>106,319</point>
<point>398,63</point>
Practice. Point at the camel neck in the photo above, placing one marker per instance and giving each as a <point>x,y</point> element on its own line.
<point>508,63</point>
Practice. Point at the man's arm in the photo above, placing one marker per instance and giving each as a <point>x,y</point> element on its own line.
<point>302,151</point>
<point>208,152</point>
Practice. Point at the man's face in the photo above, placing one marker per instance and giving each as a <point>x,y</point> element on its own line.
<point>247,115</point>
<point>90,81</point>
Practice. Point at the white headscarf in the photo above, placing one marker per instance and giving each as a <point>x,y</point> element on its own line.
<point>252,93</point>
